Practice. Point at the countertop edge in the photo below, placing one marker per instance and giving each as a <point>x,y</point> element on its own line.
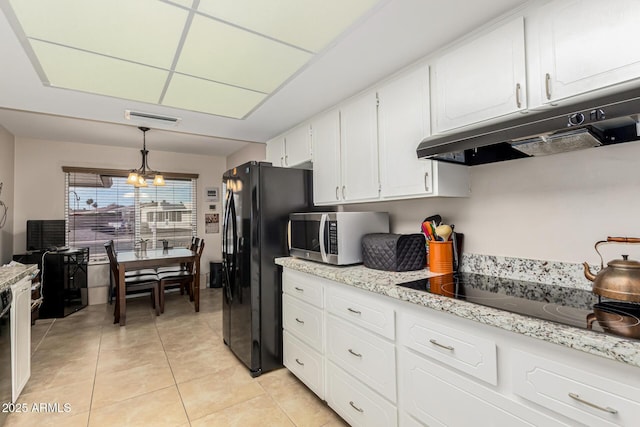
<point>595,343</point>
<point>12,275</point>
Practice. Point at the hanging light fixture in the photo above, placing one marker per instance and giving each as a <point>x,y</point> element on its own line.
<point>138,177</point>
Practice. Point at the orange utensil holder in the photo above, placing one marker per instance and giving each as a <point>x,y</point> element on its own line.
<point>441,257</point>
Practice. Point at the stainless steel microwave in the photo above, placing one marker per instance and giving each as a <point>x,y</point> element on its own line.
<point>333,237</point>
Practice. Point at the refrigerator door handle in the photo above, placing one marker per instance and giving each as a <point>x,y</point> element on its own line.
<point>289,235</point>
<point>323,250</point>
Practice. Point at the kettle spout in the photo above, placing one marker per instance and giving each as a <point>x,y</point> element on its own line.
<point>587,272</point>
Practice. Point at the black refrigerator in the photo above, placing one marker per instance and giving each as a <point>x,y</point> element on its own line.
<point>258,199</point>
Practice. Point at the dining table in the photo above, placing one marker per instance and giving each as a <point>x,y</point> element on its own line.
<point>154,258</point>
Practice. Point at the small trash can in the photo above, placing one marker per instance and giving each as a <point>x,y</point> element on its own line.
<point>215,274</point>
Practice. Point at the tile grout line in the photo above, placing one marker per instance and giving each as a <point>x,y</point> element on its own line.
<point>95,376</point>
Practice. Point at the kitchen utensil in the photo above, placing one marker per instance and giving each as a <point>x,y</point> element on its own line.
<point>618,318</point>
<point>454,239</point>
<point>437,219</point>
<point>444,231</point>
<point>620,280</point>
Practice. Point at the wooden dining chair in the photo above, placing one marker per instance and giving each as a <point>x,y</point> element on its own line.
<point>146,282</point>
<point>195,241</point>
<point>185,278</point>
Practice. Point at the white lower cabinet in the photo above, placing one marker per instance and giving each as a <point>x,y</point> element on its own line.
<point>305,363</point>
<point>367,357</point>
<point>437,396</point>
<point>357,403</point>
<point>378,361</point>
<point>20,336</point>
<point>583,396</point>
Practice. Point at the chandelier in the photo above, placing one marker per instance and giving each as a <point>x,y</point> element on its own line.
<point>138,177</point>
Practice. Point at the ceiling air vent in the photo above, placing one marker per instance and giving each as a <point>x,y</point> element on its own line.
<point>150,117</point>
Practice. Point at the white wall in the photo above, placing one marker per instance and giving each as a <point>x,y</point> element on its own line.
<point>39,182</point>
<point>6,195</point>
<point>550,208</point>
<point>257,152</point>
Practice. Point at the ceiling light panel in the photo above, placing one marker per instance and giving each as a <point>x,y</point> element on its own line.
<point>88,72</point>
<point>309,24</point>
<point>195,94</point>
<point>226,54</point>
<point>145,31</point>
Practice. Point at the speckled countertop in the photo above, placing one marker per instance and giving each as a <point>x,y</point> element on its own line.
<point>384,283</point>
<point>11,275</point>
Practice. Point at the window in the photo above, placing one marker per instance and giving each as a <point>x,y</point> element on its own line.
<point>101,206</point>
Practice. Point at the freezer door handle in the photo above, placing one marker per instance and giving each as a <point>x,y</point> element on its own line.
<point>289,235</point>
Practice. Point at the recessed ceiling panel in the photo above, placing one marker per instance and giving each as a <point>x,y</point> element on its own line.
<point>87,72</point>
<point>309,24</point>
<point>145,31</point>
<point>223,53</point>
<point>195,94</point>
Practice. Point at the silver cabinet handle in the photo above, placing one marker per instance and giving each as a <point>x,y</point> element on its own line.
<point>281,161</point>
<point>426,181</point>
<point>343,196</point>
<point>299,289</point>
<point>300,321</point>
<point>353,405</point>
<point>286,160</point>
<point>299,362</point>
<point>338,193</point>
<point>518,101</point>
<point>446,347</point>
<point>354,353</point>
<point>593,405</point>
<point>547,85</point>
<point>354,311</point>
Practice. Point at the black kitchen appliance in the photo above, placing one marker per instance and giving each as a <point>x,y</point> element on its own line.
<point>568,306</point>
<point>258,201</point>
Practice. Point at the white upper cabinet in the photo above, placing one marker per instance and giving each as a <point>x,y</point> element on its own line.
<point>482,79</point>
<point>403,121</point>
<point>587,45</point>
<point>291,149</point>
<point>325,137</point>
<point>275,151</point>
<point>359,149</point>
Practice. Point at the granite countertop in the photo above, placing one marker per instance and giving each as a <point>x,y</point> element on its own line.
<point>384,283</point>
<point>13,274</point>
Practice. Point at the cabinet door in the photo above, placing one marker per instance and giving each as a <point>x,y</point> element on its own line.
<point>325,137</point>
<point>297,144</point>
<point>482,79</point>
<point>275,151</point>
<point>21,336</point>
<point>588,44</point>
<point>403,121</point>
<point>359,149</point>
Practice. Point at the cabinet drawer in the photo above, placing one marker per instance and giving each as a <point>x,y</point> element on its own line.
<point>454,347</point>
<point>303,286</point>
<point>438,396</point>
<point>304,362</point>
<point>577,394</point>
<point>302,320</point>
<point>363,355</point>
<point>356,403</point>
<point>363,310</point>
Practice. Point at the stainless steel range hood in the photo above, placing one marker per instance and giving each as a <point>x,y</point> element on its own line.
<point>606,120</point>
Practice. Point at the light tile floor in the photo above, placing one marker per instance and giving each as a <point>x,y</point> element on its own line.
<point>171,370</point>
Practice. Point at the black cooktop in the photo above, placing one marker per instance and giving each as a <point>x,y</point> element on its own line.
<point>568,306</point>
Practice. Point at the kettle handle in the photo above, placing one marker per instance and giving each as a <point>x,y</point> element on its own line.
<point>614,240</point>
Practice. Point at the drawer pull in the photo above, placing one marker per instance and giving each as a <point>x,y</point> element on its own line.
<point>353,405</point>
<point>299,289</point>
<point>299,362</point>
<point>300,321</point>
<point>354,311</point>
<point>446,347</point>
<point>593,405</point>
<point>354,353</point>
